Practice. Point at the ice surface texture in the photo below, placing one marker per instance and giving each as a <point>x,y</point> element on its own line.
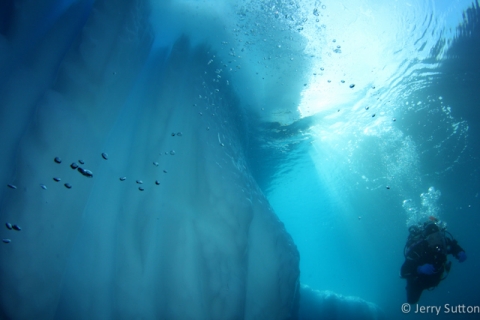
<point>328,305</point>
<point>78,80</point>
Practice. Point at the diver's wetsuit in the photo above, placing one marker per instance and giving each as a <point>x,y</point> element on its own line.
<point>423,252</point>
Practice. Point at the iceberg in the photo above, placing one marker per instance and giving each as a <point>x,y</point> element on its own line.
<point>85,91</point>
<point>316,304</point>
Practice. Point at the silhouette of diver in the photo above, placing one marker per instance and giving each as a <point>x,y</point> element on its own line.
<point>426,253</point>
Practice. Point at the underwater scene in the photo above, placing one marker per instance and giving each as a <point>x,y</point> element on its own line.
<point>239,159</point>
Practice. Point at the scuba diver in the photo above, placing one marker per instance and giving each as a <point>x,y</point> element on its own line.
<point>426,253</point>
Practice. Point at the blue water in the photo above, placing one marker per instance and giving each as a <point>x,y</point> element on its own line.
<point>348,121</point>
<point>349,228</point>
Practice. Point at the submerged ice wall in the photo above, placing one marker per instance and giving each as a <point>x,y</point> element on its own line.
<point>186,235</point>
<point>328,305</point>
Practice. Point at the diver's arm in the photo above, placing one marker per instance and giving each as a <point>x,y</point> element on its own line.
<point>454,248</point>
<point>412,261</point>
<point>409,268</point>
